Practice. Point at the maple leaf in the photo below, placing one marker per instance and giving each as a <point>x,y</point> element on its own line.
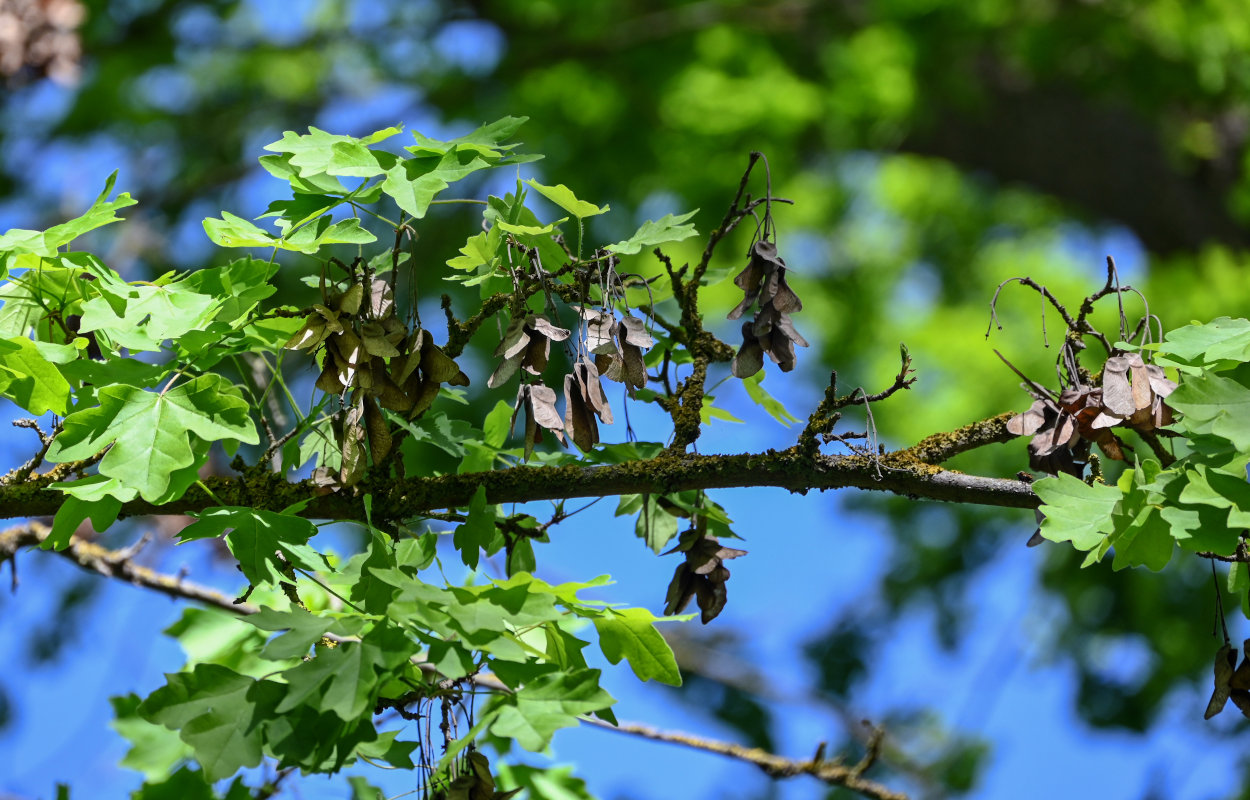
<point>152,434</point>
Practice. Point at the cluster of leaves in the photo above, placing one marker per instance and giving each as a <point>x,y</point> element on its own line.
<point>303,686</point>
<point>333,642</point>
<point>1199,500</point>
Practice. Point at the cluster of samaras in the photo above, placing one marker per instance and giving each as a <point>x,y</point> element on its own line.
<point>371,353</point>
<point>1231,681</point>
<point>1131,395</point>
<point>763,280</point>
<point>610,348</point>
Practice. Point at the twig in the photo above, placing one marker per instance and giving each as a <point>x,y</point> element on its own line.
<point>774,766</point>
<point>939,447</point>
<point>117,564</point>
<point>827,414</point>
<point>1040,289</point>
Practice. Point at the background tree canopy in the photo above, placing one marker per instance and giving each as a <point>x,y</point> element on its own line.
<point>931,150</point>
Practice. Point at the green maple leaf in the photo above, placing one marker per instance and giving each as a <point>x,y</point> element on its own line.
<point>486,141</point>
<point>630,633</point>
<point>668,228</point>
<point>152,434</point>
<point>310,238</point>
<point>102,212</point>
<point>74,511</point>
<point>280,166</point>
<point>563,197</point>
<point>29,379</point>
<point>302,629</point>
<point>1216,405</point>
<point>234,231</point>
<point>345,679</point>
<point>185,784</point>
<point>1193,348</point>
<point>477,530</point>
<point>550,702</point>
<point>217,711</point>
<point>414,182</point>
<point>256,539</point>
<point>1075,511</point>
<point>318,152</point>
<point>141,317</point>
<point>154,750</point>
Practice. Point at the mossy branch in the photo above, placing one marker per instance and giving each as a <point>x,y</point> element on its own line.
<point>902,472</point>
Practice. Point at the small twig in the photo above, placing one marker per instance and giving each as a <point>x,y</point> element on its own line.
<point>1040,289</point>
<point>826,415</point>
<point>1241,556</point>
<point>20,474</point>
<point>117,564</point>
<point>1040,390</point>
<point>774,766</point>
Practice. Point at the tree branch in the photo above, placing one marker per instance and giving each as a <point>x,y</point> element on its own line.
<point>830,772</point>
<point>901,472</point>
<point>117,564</point>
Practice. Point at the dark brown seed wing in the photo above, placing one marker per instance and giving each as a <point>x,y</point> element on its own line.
<point>379,433</point>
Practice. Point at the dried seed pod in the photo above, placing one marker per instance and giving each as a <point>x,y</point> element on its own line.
<point>312,333</point>
<point>436,364</point>
<point>526,344</point>
<point>328,381</point>
<point>1117,394</point>
<point>1030,421</point>
<point>579,420</point>
<point>379,433</point>
<point>381,300</point>
<point>374,338</point>
<point>349,302</point>
<point>588,377</point>
<point>611,367</point>
<point>599,326</point>
<point>539,404</point>
<point>701,575</point>
<point>761,266</point>
<point>1225,663</point>
<point>780,295</point>
<point>351,444</point>
<point>750,357</point>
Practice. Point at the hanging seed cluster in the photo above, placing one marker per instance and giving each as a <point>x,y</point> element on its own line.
<point>1132,395</point>
<point>617,348</point>
<point>703,576</point>
<point>369,353</point>
<point>1232,682</point>
<point>475,782</point>
<point>763,281</point>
